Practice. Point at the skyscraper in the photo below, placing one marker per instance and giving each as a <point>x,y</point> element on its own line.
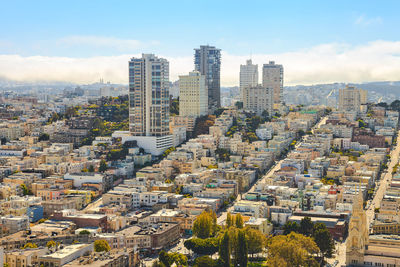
<point>273,77</point>
<point>149,102</point>
<point>207,60</point>
<point>248,76</point>
<point>193,95</point>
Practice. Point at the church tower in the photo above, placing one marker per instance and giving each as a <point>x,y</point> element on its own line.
<point>358,233</point>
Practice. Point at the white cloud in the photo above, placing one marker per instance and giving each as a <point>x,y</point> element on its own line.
<point>375,61</point>
<point>365,21</point>
<point>101,41</point>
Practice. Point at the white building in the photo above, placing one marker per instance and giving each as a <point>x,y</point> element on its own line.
<point>248,76</point>
<point>257,99</point>
<point>193,95</point>
<point>149,103</point>
<point>84,177</point>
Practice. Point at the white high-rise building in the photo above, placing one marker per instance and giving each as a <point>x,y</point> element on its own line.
<point>248,76</point>
<point>273,78</point>
<point>149,103</point>
<point>193,95</point>
<point>257,99</point>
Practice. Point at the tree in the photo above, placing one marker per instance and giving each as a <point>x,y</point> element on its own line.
<point>395,105</point>
<point>3,140</point>
<point>265,115</point>
<point>101,245</point>
<point>165,258</point>
<point>51,244</point>
<point>158,264</point>
<point>207,246</point>
<point>91,168</point>
<point>291,250</point>
<point>168,151</point>
<point>229,219</point>
<point>225,250</point>
<point>239,221</point>
<point>239,105</point>
<point>179,259</point>
<point>323,239</point>
<point>44,137</point>
<point>84,232</point>
<point>103,166</point>
<point>290,227</point>
<point>25,190</point>
<point>241,249</point>
<point>256,241</point>
<point>306,226</point>
<point>29,245</point>
<point>203,225</point>
<point>174,107</point>
<point>205,261</point>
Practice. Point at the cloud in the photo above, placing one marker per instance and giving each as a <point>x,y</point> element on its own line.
<point>326,63</point>
<point>362,20</point>
<point>103,42</point>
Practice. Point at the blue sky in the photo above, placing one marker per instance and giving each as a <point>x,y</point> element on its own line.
<point>79,32</point>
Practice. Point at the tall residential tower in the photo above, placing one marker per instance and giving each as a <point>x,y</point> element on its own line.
<point>193,95</point>
<point>149,103</point>
<point>248,76</point>
<point>273,78</point>
<point>207,60</point>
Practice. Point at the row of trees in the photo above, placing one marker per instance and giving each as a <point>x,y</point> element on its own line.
<point>299,246</point>
<point>234,242</point>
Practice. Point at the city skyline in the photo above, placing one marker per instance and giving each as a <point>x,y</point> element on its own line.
<point>82,42</point>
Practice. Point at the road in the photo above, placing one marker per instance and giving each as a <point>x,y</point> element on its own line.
<point>93,206</point>
<point>384,182</point>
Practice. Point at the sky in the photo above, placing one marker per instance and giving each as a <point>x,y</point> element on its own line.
<point>316,41</point>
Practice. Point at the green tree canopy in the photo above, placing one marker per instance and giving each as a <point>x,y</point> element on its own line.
<point>205,261</point>
<point>207,246</point>
<point>306,226</point>
<point>239,221</point>
<point>44,137</point>
<point>291,250</point>
<point>323,239</point>
<point>225,250</point>
<point>103,166</point>
<point>84,232</point>
<point>205,224</point>
<point>29,245</point>
<point>290,227</point>
<point>101,245</point>
<point>256,240</point>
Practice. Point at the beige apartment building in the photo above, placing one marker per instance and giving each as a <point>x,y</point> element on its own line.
<point>193,95</point>
<point>272,77</point>
<point>258,98</point>
<point>351,98</point>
